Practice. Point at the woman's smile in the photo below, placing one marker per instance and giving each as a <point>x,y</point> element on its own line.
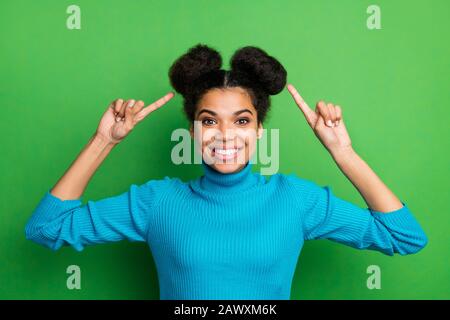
<point>226,153</point>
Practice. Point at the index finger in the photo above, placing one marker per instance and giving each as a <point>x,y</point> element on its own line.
<point>155,105</point>
<point>307,111</point>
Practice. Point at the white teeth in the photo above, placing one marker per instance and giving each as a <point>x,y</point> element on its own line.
<point>226,151</point>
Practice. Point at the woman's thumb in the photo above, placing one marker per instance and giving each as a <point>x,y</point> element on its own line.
<point>320,121</point>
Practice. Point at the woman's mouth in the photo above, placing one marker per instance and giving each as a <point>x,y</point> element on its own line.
<point>225,154</point>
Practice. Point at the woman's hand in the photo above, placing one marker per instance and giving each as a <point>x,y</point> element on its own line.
<point>121,117</point>
<point>335,138</point>
<point>327,123</point>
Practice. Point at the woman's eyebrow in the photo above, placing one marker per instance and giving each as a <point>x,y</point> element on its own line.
<point>242,111</point>
<point>208,111</point>
<point>215,114</point>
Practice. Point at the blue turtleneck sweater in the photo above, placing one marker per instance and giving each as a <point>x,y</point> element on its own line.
<point>224,236</point>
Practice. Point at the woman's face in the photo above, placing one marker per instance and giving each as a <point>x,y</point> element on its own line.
<point>226,128</point>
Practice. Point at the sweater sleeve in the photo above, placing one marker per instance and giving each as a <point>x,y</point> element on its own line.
<point>55,222</point>
<point>325,216</point>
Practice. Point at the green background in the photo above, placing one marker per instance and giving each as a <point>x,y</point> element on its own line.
<point>393,86</point>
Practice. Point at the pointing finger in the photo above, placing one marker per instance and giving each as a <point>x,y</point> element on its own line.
<point>155,105</point>
<point>309,114</point>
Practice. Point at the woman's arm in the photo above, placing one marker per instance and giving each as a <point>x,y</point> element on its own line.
<point>328,125</point>
<point>325,216</point>
<point>60,218</point>
<point>375,193</point>
<point>127,216</point>
<point>117,122</point>
<point>387,225</point>
<point>74,181</point>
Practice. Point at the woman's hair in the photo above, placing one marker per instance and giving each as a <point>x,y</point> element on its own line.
<point>199,70</point>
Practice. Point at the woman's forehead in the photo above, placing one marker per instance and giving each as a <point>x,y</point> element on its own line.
<point>226,101</point>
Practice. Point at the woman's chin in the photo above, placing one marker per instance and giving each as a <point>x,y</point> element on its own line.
<point>227,167</point>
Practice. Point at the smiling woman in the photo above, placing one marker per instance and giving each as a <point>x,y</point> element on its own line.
<point>231,233</point>
<point>230,105</point>
<point>229,128</point>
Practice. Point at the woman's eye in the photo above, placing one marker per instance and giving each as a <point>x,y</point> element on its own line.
<point>208,122</point>
<point>243,121</point>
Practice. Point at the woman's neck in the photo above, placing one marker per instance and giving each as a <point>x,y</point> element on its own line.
<point>214,180</point>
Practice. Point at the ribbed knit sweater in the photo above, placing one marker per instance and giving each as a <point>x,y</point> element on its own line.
<point>224,236</point>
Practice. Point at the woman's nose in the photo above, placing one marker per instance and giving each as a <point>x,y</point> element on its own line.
<point>226,132</point>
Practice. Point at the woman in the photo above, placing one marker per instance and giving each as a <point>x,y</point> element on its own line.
<point>230,234</point>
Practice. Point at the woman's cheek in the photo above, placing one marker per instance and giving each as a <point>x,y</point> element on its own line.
<point>250,137</point>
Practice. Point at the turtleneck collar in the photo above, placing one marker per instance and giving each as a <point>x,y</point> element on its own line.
<point>213,180</point>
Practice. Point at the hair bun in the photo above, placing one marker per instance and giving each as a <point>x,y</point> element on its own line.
<point>198,61</point>
<point>261,67</point>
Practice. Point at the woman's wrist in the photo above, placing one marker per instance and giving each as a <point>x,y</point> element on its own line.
<point>342,153</point>
<point>74,181</point>
<point>102,142</point>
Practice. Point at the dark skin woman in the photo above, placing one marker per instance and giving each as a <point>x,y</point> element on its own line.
<point>227,110</point>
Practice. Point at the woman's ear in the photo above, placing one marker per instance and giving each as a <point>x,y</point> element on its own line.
<point>260,130</point>
<point>191,130</point>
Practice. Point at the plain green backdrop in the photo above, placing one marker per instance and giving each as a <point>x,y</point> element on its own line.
<point>393,85</point>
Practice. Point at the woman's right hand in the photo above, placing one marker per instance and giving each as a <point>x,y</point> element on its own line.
<point>121,117</point>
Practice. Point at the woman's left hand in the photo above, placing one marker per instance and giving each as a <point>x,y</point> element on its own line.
<point>327,123</point>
